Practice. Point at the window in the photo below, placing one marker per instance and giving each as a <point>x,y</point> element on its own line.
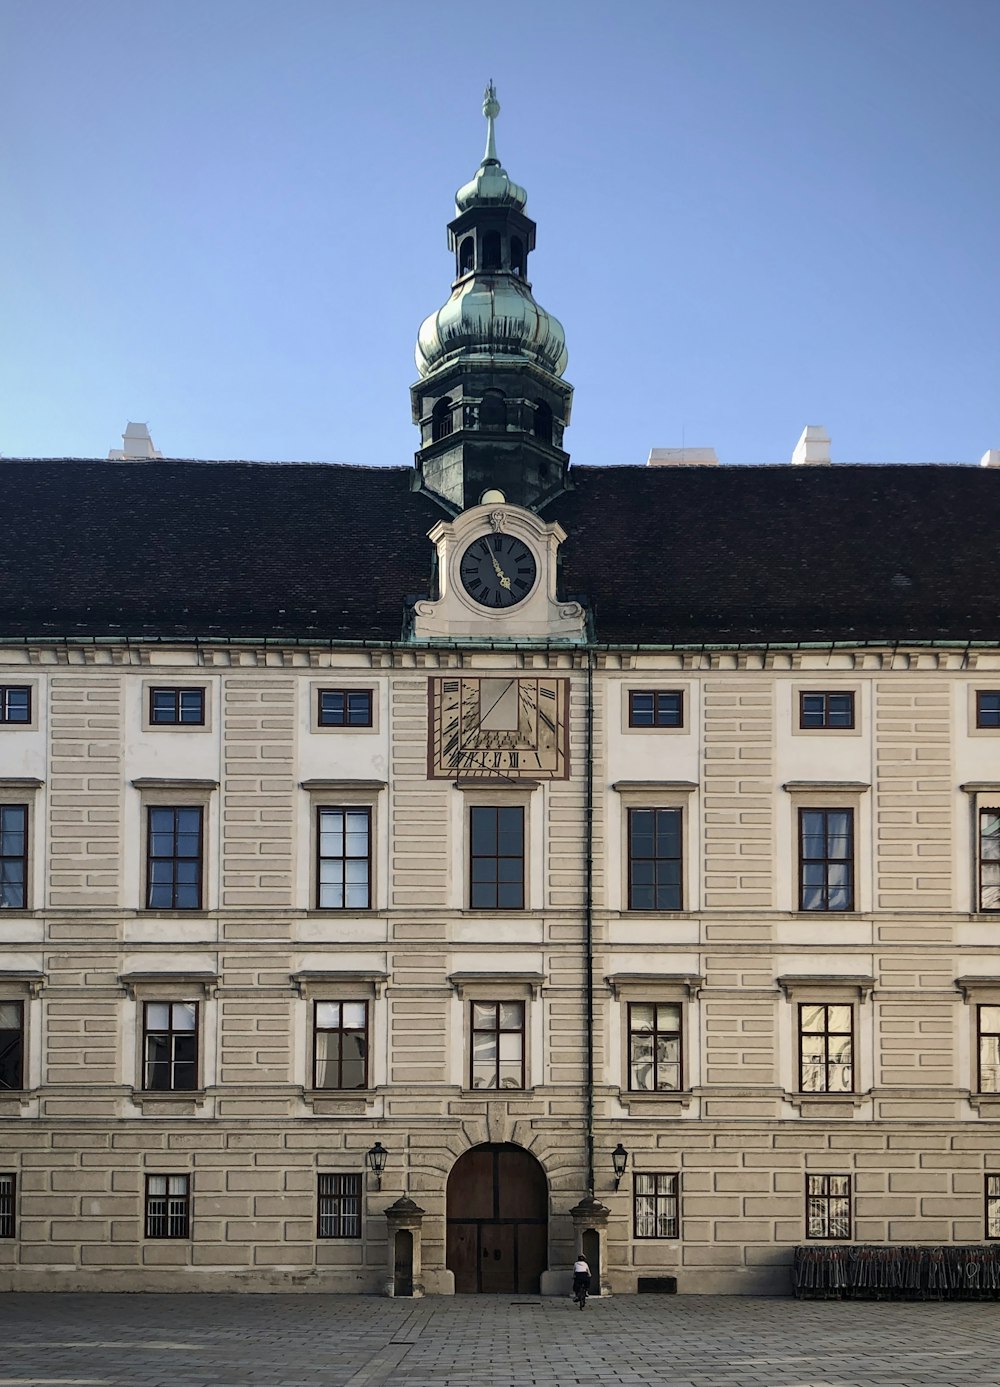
<point>344,708</point>
<point>173,707</point>
<point>491,250</point>
<point>496,876</point>
<point>15,703</point>
<point>13,856</point>
<point>989,859</point>
<point>497,1045</point>
<point>168,1206</point>
<point>170,1046</point>
<point>988,1022</point>
<point>654,1044</point>
<point>654,859</point>
<point>820,710</point>
<point>826,1047</point>
<point>174,858</point>
<point>655,1205</point>
<point>340,1045</point>
<point>828,1206</point>
<point>543,421</point>
<point>517,260</point>
<point>8,1189</point>
<point>993,1206</point>
<point>655,708</point>
<point>339,1211</point>
<point>466,255</point>
<point>344,863</point>
<point>988,707</point>
<point>826,859</point>
<point>11,1045</point>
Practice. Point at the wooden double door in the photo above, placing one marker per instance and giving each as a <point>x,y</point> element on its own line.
<point>498,1221</point>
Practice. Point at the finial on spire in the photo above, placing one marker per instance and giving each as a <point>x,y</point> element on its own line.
<point>491,109</point>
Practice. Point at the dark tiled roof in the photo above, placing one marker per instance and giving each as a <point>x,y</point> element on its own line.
<point>332,552</point>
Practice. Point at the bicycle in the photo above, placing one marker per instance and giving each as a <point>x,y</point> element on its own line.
<point>580,1294</point>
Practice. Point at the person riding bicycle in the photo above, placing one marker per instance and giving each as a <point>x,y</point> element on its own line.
<point>581,1274</point>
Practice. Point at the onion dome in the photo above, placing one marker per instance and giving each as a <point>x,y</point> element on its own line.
<point>491,186</point>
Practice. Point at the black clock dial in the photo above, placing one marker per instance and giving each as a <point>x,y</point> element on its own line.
<point>497,570</point>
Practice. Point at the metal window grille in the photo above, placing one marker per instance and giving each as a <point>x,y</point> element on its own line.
<point>344,859</point>
<point>11,1045</point>
<point>15,703</point>
<point>8,1190</point>
<point>497,1045</point>
<point>656,708</point>
<point>828,1206</point>
<point>826,710</point>
<point>174,858</point>
<point>340,1045</point>
<point>339,1209</point>
<point>168,1206</point>
<point>173,706</point>
<point>345,708</point>
<point>496,862</point>
<point>989,859</point>
<point>987,708</point>
<point>654,1033</point>
<point>654,859</point>
<point>655,1205</point>
<point>13,856</point>
<point>826,859</point>
<point>826,1047</point>
<point>170,1046</point>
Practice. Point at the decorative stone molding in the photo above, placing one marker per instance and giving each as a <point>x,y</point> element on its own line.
<point>489,986</point>
<point>654,987</point>
<point>338,985</point>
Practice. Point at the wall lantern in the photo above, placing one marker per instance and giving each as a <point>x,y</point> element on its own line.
<point>619,1159</point>
<point>377,1157</point>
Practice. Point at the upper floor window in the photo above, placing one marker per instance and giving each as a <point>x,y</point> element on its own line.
<point>989,859</point>
<point>13,856</point>
<point>170,1046</point>
<point>496,866</point>
<point>15,703</point>
<point>174,857</point>
<point>8,1190</point>
<point>828,1206</point>
<point>992,1206</point>
<point>988,1025</point>
<point>168,1206</point>
<point>654,1043</point>
<point>491,250</point>
<point>654,1204</point>
<point>543,421</point>
<point>826,859</point>
<point>988,707</point>
<point>497,1059</point>
<point>655,708</point>
<point>176,707</point>
<point>441,423</point>
<point>344,864</point>
<point>338,1214</point>
<point>340,1045</point>
<point>654,859</point>
<point>826,1047</point>
<point>820,710</point>
<point>466,255</point>
<point>11,1045</point>
<point>518,263</point>
<point>344,708</point>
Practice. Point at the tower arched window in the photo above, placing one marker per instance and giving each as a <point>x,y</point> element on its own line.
<point>493,411</point>
<point>517,256</point>
<point>441,419</point>
<point>543,421</point>
<point>491,250</point>
<point>466,255</point>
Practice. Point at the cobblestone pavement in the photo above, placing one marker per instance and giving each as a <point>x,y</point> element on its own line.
<point>480,1341</point>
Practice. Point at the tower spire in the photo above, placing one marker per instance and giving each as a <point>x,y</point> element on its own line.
<point>491,109</point>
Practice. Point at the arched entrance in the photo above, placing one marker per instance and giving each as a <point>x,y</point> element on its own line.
<point>498,1221</point>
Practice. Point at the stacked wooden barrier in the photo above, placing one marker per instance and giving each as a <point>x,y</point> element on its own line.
<point>871,1271</point>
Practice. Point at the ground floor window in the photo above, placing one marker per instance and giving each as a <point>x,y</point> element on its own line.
<point>7,1190</point>
<point>168,1206</point>
<point>655,1205</point>
<point>828,1206</point>
<point>993,1206</point>
<point>339,1213</point>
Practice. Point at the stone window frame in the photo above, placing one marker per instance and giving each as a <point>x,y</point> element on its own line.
<point>673,1192</point>
<point>167,1175</point>
<point>176,685</point>
<point>22,986</point>
<point>316,687</point>
<point>984,796</point>
<point>356,1191</point>
<point>827,1197</point>
<point>684,989</point>
<point>163,792</point>
<point>819,686</point>
<point>487,793</point>
<point>339,985</point>
<point>975,726</point>
<point>16,791</point>
<point>658,794</point>
<point>977,992</point>
<point>200,987</point>
<point>345,794</point>
<point>681,690</point>
<point>8,1205</point>
<point>31,722</point>
<point>498,986</point>
<point>991,1205</point>
<point>853,990</point>
<point>826,795</point>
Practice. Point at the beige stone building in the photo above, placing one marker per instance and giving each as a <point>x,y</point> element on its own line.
<point>592,857</point>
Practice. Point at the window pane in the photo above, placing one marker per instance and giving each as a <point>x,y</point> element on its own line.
<point>354,1015</point>
<point>184,1015</point>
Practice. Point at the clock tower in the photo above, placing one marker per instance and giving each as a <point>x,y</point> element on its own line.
<point>491,403</point>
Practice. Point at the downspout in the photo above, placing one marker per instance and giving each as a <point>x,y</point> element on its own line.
<point>589,906</point>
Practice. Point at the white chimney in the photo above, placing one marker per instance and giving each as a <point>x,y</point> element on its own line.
<point>682,457</point>
<point>813,448</point>
<point>138,445</point>
<point>991,458</point>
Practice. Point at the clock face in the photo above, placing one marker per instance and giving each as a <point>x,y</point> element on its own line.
<point>497,570</point>
<point>507,726</point>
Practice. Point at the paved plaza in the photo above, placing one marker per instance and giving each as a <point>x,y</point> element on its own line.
<point>509,1341</point>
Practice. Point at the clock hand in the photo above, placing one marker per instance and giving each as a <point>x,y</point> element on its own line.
<point>504,580</point>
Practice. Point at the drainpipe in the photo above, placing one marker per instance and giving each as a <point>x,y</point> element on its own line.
<point>589,905</point>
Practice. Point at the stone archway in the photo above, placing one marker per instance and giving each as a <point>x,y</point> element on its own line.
<point>498,1220</point>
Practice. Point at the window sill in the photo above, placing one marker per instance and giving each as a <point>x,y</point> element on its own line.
<point>987,1104</point>
<point>825,1104</point>
<point>12,1100</point>
<point>169,1101</point>
<point>662,1103</point>
<point>496,1092</point>
<point>334,1102</point>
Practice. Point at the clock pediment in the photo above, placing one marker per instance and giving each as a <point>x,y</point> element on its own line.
<point>497,580</point>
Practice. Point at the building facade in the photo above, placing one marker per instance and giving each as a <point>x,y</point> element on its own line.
<point>549,857</point>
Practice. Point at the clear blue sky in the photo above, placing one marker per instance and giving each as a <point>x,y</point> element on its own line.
<point>227,218</point>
